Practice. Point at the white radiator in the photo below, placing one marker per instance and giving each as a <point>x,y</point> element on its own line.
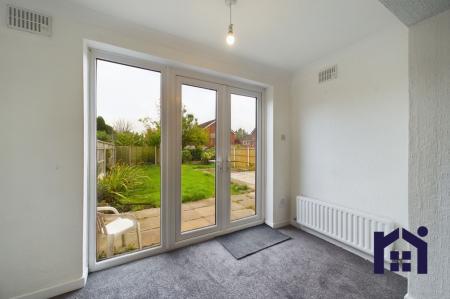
<point>348,226</point>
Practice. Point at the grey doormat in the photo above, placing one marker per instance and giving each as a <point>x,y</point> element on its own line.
<point>251,240</point>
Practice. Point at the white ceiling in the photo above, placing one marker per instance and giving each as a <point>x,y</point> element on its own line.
<point>413,11</point>
<point>283,33</point>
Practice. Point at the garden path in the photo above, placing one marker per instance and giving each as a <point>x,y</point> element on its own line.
<point>245,177</point>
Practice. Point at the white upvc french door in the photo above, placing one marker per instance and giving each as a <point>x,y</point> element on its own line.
<point>204,102</point>
<point>224,112</point>
<point>229,172</point>
<point>244,158</point>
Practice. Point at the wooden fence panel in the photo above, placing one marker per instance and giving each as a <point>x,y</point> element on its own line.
<point>106,157</point>
<point>243,158</point>
<point>135,155</point>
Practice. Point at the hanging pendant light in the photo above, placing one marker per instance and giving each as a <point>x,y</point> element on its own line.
<point>230,35</point>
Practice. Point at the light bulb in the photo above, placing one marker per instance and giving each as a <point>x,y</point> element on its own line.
<point>230,36</point>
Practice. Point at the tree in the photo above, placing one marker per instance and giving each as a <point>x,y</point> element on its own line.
<point>103,136</point>
<point>192,133</point>
<point>122,134</point>
<point>102,126</point>
<point>128,138</point>
<point>152,135</point>
<point>241,133</point>
<point>104,131</point>
<point>122,125</point>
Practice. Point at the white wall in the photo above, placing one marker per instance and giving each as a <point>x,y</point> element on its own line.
<point>350,135</point>
<point>429,160</point>
<point>41,129</point>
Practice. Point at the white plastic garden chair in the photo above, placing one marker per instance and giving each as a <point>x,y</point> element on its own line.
<point>120,225</point>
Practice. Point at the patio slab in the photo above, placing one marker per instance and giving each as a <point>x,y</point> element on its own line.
<point>244,177</point>
<point>195,215</point>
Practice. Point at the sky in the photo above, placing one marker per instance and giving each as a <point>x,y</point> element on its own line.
<point>130,93</point>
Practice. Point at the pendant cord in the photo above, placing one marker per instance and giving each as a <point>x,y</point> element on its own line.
<point>230,12</point>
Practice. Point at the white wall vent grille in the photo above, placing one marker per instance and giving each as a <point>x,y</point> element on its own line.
<point>27,20</point>
<point>328,74</point>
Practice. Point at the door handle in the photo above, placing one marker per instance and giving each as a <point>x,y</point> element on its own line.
<point>224,165</point>
<point>219,165</point>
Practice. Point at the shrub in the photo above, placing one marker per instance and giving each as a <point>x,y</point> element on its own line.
<point>207,156</point>
<point>103,136</point>
<point>128,138</point>
<point>196,154</point>
<point>186,156</point>
<point>118,183</point>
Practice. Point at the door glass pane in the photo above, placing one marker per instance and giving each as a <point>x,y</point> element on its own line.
<point>198,169</point>
<point>128,158</point>
<point>243,156</point>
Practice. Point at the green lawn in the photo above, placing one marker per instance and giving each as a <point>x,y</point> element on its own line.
<point>197,183</point>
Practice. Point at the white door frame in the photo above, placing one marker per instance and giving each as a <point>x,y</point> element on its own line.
<point>259,159</point>
<point>179,82</point>
<point>170,155</point>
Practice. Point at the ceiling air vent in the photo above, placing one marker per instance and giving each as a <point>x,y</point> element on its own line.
<point>30,21</point>
<point>328,74</point>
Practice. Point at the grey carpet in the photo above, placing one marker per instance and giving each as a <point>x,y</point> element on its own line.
<point>251,240</point>
<point>304,267</point>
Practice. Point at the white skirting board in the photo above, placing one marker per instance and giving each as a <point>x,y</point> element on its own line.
<point>343,246</point>
<point>57,289</point>
<point>349,229</point>
<point>278,224</point>
<point>334,242</point>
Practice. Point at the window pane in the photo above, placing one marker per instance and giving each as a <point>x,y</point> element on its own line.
<point>243,156</point>
<point>198,169</point>
<point>128,157</point>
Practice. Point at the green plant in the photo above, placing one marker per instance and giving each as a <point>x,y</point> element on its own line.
<point>197,183</point>
<point>102,126</point>
<point>127,248</point>
<point>238,188</point>
<point>207,156</point>
<point>241,134</point>
<point>192,133</point>
<point>128,138</point>
<point>119,183</point>
<point>103,136</point>
<point>101,255</point>
<point>152,136</point>
<point>196,154</point>
<point>186,156</point>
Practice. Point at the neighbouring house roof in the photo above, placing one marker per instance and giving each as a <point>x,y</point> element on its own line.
<point>210,123</point>
<point>207,124</point>
<point>250,136</point>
